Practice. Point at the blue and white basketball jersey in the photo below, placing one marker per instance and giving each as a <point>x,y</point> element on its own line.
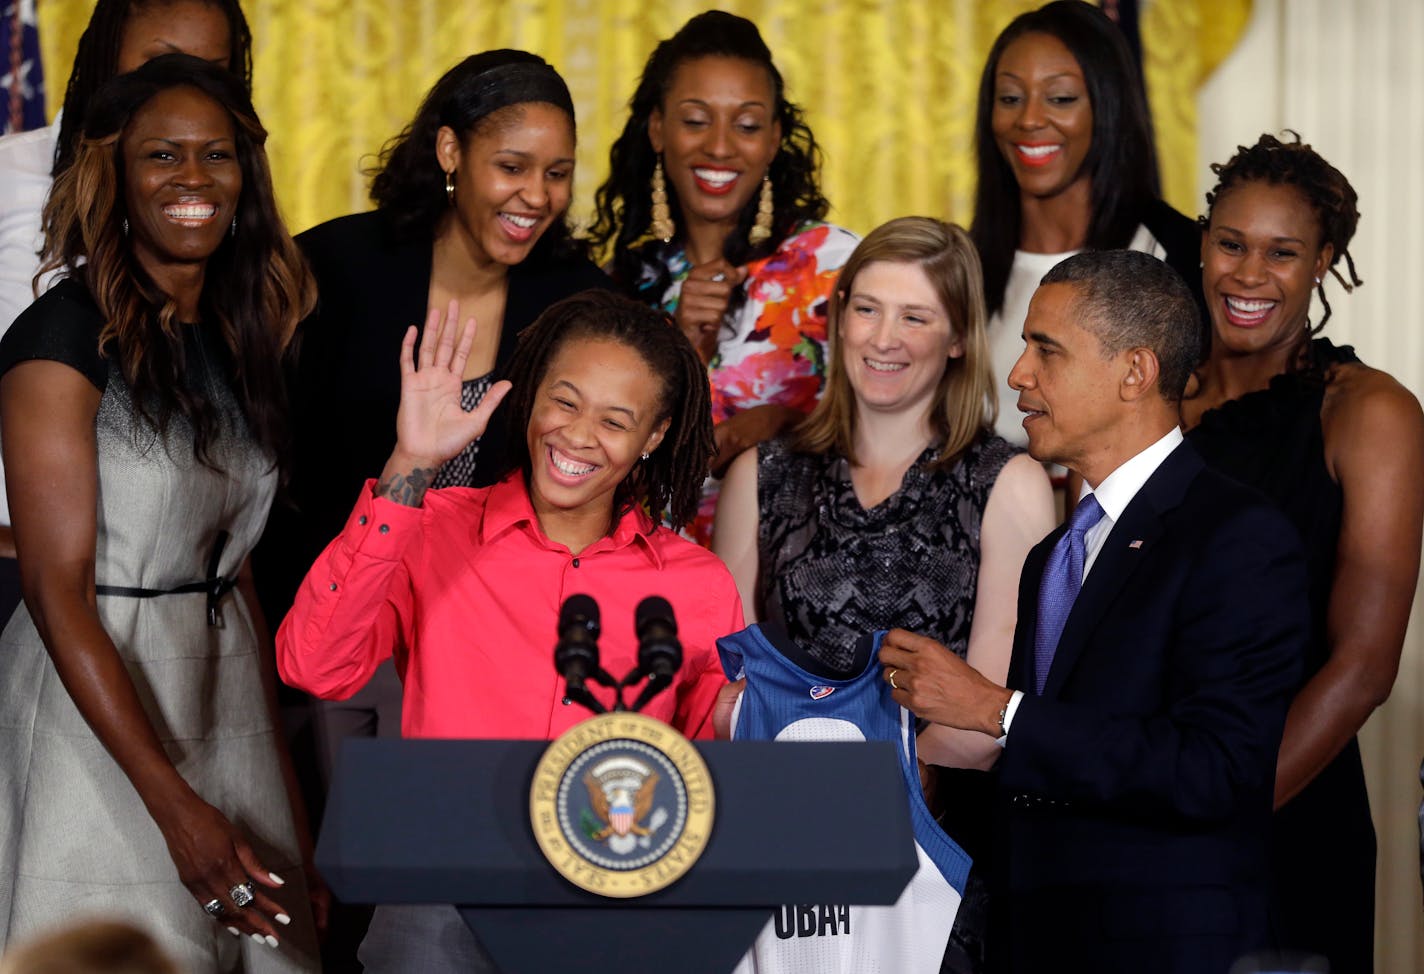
<point>789,697</point>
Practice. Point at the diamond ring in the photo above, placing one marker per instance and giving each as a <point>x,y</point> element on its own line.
<point>241,894</point>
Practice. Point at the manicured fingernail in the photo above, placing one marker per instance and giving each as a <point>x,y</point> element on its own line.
<point>234,931</point>
<point>277,879</point>
<point>258,937</point>
<point>283,919</point>
<point>271,940</point>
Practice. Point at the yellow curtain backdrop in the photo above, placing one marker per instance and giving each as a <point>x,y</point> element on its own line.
<point>888,85</point>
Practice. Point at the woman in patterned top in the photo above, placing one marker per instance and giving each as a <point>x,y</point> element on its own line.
<point>895,504</point>
<point>712,213</point>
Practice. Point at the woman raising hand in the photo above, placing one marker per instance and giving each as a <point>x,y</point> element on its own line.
<point>431,425</point>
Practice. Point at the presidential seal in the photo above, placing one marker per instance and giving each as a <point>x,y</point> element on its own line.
<point>621,805</point>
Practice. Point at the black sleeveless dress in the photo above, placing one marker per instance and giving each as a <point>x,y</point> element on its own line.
<point>1323,841</point>
<point>831,571</point>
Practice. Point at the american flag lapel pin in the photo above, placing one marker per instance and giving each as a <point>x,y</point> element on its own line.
<point>1136,544</point>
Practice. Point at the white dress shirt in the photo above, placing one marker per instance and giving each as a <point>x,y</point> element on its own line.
<point>1114,494</point>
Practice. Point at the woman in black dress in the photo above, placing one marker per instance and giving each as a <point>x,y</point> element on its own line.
<point>1340,447</point>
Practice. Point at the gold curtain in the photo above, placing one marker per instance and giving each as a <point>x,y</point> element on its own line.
<point>888,85</point>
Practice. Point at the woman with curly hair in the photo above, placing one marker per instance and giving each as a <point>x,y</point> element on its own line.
<point>1339,446</point>
<point>470,206</point>
<point>609,432</point>
<point>142,772</point>
<point>712,213</point>
<point>1066,163</point>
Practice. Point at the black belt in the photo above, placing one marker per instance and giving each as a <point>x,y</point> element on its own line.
<point>215,585</point>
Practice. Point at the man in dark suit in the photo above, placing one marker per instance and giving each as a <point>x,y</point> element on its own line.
<point>1159,636</point>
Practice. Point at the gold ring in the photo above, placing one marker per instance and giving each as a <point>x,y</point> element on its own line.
<point>893,671</point>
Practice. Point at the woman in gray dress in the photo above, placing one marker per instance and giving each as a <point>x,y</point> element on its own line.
<point>141,772</point>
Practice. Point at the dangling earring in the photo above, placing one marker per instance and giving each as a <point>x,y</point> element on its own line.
<point>232,232</point>
<point>450,188</point>
<point>761,229</point>
<point>645,456</point>
<point>661,226</point>
<point>126,226</point>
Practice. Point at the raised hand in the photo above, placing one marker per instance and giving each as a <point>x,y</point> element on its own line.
<point>431,427</point>
<point>703,303</point>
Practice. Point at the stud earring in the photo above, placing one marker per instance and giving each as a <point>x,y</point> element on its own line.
<point>761,229</point>
<point>1317,282</point>
<point>450,188</point>
<point>661,225</point>
<point>645,456</point>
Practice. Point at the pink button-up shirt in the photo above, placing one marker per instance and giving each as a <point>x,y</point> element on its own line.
<point>465,592</point>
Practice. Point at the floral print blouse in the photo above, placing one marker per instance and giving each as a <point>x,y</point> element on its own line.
<point>773,349</point>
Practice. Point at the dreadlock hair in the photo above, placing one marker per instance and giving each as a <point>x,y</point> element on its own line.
<point>669,482</point>
<point>1324,187</point>
<point>964,403</point>
<point>483,94</point>
<point>623,203</point>
<point>97,60</point>
<point>1122,158</point>
<point>256,285</point>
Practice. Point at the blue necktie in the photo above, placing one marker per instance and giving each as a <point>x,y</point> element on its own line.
<point>1062,578</point>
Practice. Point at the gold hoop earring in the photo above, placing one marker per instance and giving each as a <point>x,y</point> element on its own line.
<point>450,188</point>
<point>761,229</point>
<point>661,225</point>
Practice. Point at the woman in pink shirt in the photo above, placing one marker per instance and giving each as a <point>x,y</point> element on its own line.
<point>463,585</point>
<point>610,431</point>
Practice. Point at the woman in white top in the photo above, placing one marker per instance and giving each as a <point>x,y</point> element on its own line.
<point>1066,163</point>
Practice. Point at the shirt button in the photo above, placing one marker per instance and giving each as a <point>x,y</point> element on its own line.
<point>575,562</point>
<point>385,529</point>
<point>567,701</point>
<point>333,586</point>
<point>361,520</point>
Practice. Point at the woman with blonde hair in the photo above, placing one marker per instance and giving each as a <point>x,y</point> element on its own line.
<point>894,504</point>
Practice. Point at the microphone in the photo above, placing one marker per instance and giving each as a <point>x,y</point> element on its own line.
<point>659,651</point>
<point>576,653</point>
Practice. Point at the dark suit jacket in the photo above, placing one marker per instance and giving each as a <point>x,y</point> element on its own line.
<point>345,379</point>
<point>1137,789</point>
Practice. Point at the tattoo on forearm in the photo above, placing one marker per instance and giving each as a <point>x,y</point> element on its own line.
<point>407,489</point>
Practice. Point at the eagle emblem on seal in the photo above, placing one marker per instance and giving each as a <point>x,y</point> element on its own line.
<point>620,791</point>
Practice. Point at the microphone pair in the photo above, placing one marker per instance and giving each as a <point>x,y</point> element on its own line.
<point>576,653</point>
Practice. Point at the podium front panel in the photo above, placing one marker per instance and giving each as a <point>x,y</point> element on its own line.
<point>426,821</point>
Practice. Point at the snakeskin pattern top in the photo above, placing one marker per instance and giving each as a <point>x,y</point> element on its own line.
<point>831,570</point>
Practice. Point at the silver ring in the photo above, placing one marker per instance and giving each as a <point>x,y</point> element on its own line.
<point>719,277</point>
<point>241,894</point>
<point>213,907</point>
